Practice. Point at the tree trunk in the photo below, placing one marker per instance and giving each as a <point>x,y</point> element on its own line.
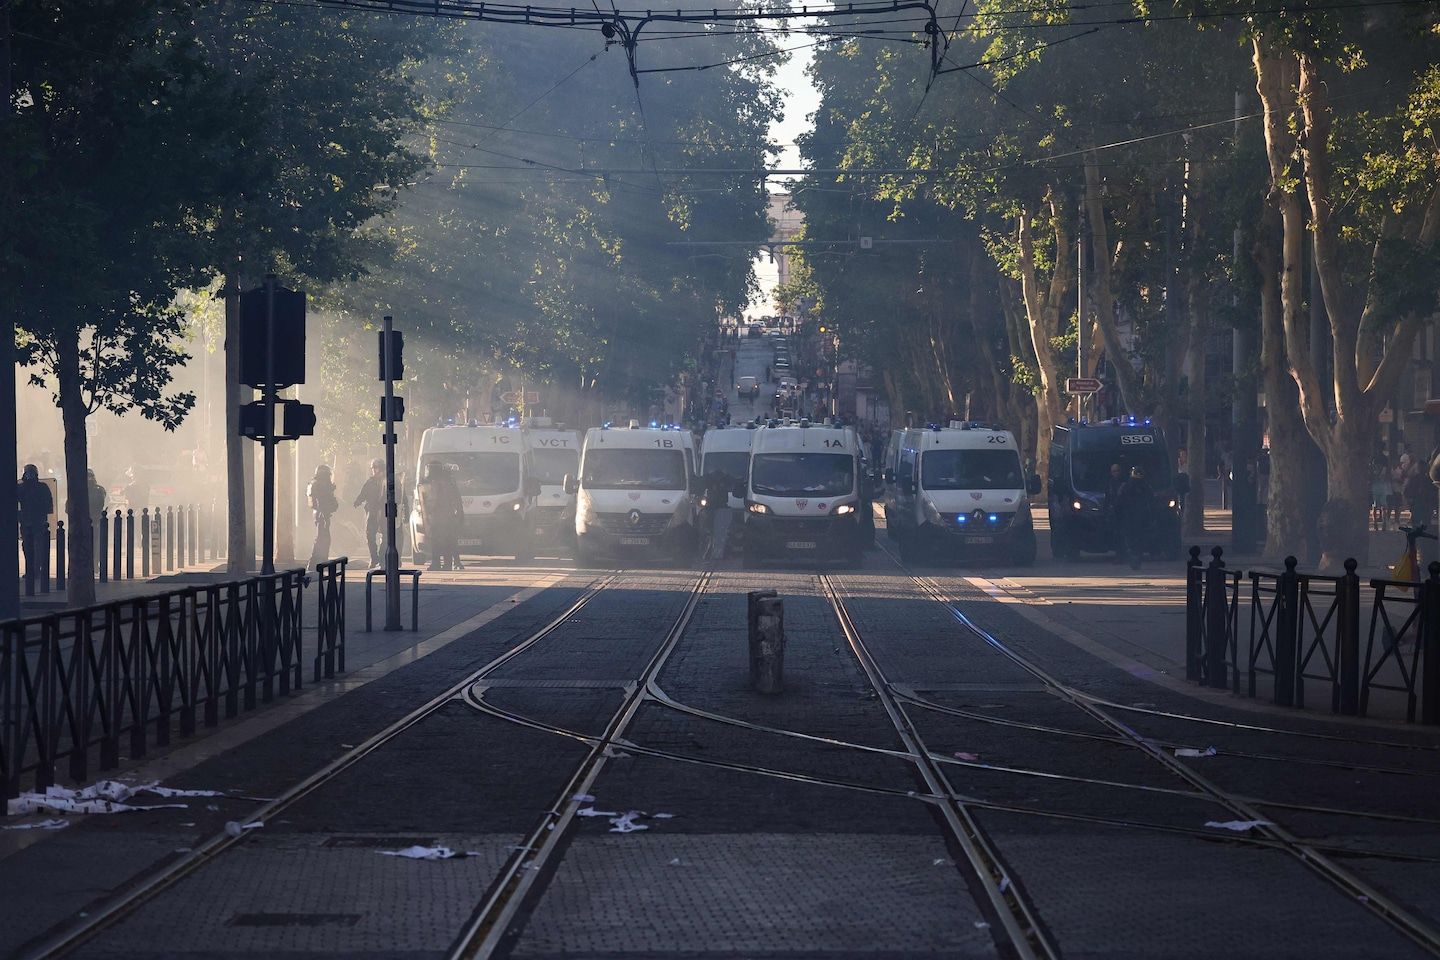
<point>1103,292</point>
<point>1344,522</point>
<point>238,558</point>
<point>1289,444</point>
<point>1197,409</point>
<point>73,413</point>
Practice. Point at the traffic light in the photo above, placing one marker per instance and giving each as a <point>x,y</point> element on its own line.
<point>288,338</point>
<point>297,419</point>
<point>399,410</point>
<point>397,344</point>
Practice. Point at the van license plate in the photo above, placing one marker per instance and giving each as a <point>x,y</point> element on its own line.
<point>800,544</point>
<point>469,543</point>
<point>635,541</point>
<point>979,539</point>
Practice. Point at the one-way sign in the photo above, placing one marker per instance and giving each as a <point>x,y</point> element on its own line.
<point>1083,385</point>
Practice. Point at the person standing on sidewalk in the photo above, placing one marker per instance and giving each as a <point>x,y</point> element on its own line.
<point>441,513</point>
<point>35,505</point>
<point>323,504</point>
<point>372,499</point>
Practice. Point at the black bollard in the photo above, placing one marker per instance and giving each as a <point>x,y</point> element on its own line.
<point>118,536</point>
<point>1347,641</point>
<point>1287,627</point>
<point>765,614</point>
<point>130,544</point>
<point>1194,615</point>
<point>1430,648</point>
<point>59,557</point>
<point>1217,621</point>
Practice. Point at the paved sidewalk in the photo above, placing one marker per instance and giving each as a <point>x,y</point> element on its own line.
<point>1135,619</point>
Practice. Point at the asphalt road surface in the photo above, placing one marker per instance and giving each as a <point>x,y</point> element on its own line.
<point>939,778</point>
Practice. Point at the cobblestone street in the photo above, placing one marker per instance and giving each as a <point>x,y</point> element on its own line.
<point>940,778</point>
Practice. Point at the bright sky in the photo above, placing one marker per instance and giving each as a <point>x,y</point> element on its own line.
<point>801,99</point>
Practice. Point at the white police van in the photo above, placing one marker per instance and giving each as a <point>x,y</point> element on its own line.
<point>552,454</point>
<point>488,464</point>
<point>960,492</point>
<point>636,493</point>
<point>804,494</point>
<point>726,450</point>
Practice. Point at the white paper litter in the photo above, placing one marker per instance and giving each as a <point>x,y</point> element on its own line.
<point>592,812</point>
<point>42,825</point>
<point>962,755</point>
<point>981,925</point>
<point>234,828</point>
<point>584,798</point>
<point>662,816</point>
<point>676,862</point>
<point>1004,884</point>
<point>627,824</point>
<point>614,754</point>
<point>1192,752</point>
<point>1239,826</point>
<point>103,796</point>
<point>425,853</point>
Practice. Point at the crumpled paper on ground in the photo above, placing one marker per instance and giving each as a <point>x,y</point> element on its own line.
<point>428,853</point>
<point>1239,826</point>
<point>102,796</point>
<point>626,823</point>
<point>42,825</point>
<point>1192,752</point>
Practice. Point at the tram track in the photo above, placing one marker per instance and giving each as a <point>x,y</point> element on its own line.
<point>148,887</point>
<point>537,856</point>
<point>1313,856</point>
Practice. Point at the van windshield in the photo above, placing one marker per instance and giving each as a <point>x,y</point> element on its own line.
<point>803,474</point>
<point>735,464</point>
<point>617,469</point>
<point>970,470</point>
<point>479,474</point>
<point>1090,469</point>
<point>551,466</point>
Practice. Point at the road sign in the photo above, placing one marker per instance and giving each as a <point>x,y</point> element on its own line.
<point>513,396</point>
<point>1083,385</point>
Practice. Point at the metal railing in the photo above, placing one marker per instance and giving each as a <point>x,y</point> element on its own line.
<point>1305,628</point>
<point>76,685</point>
<point>127,545</point>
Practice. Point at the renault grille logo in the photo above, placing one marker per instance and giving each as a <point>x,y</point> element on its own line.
<point>634,518</point>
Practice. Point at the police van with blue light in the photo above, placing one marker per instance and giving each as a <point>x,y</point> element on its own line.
<point>636,493</point>
<point>490,468</point>
<point>552,453</point>
<point>1087,461</point>
<point>804,493</point>
<point>959,492</point>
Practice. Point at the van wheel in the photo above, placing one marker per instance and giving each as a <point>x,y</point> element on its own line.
<point>909,548</point>
<point>1060,546</point>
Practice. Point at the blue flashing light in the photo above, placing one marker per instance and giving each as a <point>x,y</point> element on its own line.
<point>653,424</point>
<point>962,519</point>
<point>1147,421</point>
<point>994,518</point>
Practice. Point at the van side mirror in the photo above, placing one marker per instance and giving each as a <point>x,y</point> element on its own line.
<point>889,476</point>
<point>532,486</point>
<point>570,484</point>
<point>910,487</point>
<point>740,490</point>
<point>1032,486</point>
